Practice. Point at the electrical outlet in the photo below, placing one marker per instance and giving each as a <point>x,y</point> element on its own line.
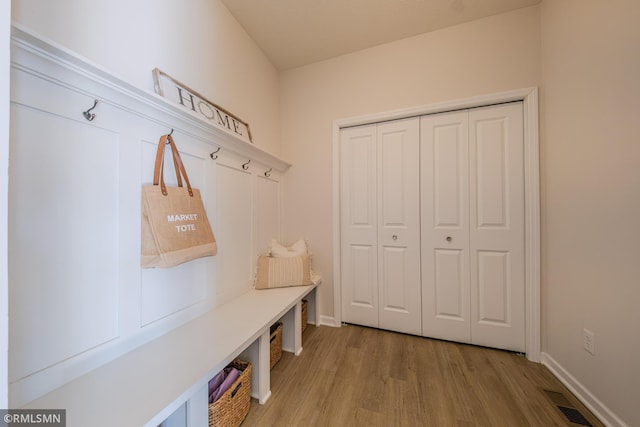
<point>589,341</point>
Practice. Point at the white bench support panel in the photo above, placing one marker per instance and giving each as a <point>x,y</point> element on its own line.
<point>148,384</point>
<point>291,336</point>
<point>258,354</point>
<point>313,309</point>
<point>198,407</point>
<point>262,374</point>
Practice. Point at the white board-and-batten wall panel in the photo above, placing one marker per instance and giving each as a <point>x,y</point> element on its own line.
<point>78,297</point>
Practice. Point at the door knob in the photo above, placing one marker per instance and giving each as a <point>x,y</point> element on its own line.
<point>449,238</point>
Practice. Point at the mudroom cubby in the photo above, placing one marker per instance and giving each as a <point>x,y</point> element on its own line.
<point>86,320</point>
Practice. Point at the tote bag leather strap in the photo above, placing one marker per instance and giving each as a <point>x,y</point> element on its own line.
<point>158,170</point>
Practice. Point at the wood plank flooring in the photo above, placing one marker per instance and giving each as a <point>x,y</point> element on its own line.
<point>357,376</point>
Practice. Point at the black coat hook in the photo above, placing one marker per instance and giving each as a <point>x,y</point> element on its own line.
<point>88,114</point>
<point>246,165</point>
<point>268,173</point>
<point>214,155</point>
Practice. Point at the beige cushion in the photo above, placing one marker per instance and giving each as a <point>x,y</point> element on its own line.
<point>282,272</point>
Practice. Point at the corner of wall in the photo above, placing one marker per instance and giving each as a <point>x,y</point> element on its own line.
<point>5,30</point>
<point>599,409</point>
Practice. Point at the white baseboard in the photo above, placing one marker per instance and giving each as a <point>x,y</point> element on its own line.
<point>328,321</point>
<point>604,414</point>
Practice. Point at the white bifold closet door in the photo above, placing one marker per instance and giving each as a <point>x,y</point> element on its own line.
<point>472,219</point>
<point>380,225</point>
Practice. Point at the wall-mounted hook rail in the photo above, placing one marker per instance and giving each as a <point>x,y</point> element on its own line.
<point>268,173</point>
<point>246,165</point>
<point>214,155</point>
<point>88,114</point>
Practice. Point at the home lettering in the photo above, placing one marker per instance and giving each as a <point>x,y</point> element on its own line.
<point>208,111</point>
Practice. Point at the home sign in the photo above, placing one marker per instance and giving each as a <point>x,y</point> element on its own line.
<point>168,87</point>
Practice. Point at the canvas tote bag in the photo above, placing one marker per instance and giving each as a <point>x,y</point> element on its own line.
<point>175,228</point>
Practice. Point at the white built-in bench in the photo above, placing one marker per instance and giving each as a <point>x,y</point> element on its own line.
<point>146,385</point>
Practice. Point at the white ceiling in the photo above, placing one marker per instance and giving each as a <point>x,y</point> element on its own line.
<point>293,33</point>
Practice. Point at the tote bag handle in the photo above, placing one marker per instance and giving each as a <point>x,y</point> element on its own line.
<point>158,170</point>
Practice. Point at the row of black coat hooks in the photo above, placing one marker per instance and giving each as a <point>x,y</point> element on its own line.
<point>214,156</point>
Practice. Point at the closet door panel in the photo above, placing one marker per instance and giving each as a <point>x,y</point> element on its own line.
<point>448,151</point>
<point>491,174</point>
<point>358,221</point>
<point>497,226</point>
<point>399,225</point>
<point>359,274</point>
<point>493,288</point>
<point>359,197</point>
<point>444,226</point>
<point>450,288</point>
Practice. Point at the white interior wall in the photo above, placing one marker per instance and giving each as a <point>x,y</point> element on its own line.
<point>590,101</point>
<point>212,53</point>
<point>197,42</point>
<point>5,27</point>
<point>588,77</point>
<point>495,54</point>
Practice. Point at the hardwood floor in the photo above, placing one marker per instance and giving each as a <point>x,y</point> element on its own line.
<point>357,376</point>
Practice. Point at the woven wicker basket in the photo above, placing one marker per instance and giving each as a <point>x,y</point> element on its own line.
<point>304,314</point>
<point>276,344</point>
<point>233,406</point>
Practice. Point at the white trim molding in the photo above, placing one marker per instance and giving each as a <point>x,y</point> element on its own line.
<point>529,97</point>
<point>32,54</point>
<point>328,321</point>
<point>602,412</point>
